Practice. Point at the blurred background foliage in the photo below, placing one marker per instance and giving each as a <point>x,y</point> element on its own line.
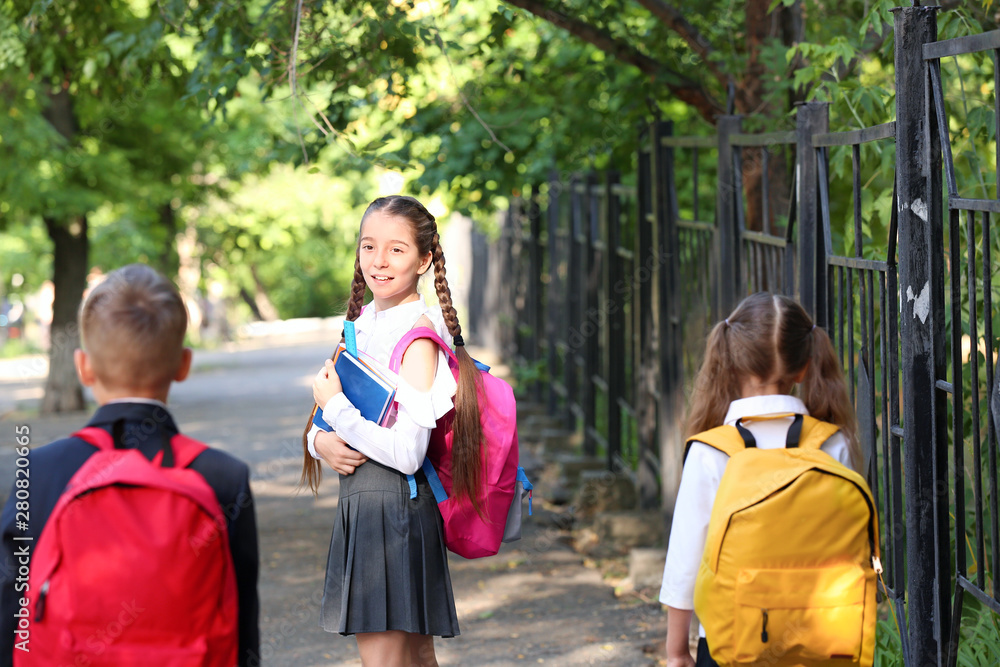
<point>234,146</point>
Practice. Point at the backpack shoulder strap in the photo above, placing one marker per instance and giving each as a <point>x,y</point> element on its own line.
<point>95,436</point>
<point>724,438</point>
<point>186,450</point>
<point>413,334</point>
<point>815,432</point>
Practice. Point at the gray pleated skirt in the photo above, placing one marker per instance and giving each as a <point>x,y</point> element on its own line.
<point>388,566</point>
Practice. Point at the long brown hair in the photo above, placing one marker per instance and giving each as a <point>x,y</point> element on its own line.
<point>468,430</point>
<point>771,337</point>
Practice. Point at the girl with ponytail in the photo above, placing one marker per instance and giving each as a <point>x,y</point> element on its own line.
<point>753,361</point>
<point>387,579</point>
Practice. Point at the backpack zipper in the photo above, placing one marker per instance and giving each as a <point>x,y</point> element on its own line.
<point>40,609</point>
<point>763,630</point>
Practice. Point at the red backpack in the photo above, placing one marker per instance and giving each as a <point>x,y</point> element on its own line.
<point>133,566</point>
<point>465,532</point>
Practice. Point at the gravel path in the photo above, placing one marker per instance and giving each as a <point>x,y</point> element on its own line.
<point>534,603</point>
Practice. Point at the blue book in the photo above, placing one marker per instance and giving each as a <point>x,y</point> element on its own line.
<point>368,386</point>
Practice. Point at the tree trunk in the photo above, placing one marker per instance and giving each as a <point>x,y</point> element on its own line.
<point>784,24</point>
<point>69,277</point>
<point>249,300</point>
<point>169,261</point>
<point>63,392</point>
<point>265,308</point>
<point>189,277</point>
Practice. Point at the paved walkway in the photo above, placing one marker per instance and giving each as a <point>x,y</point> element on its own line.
<point>534,603</point>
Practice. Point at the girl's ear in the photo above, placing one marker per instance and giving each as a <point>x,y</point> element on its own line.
<point>424,265</point>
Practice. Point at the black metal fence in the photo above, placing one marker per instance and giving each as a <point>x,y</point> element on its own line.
<point>610,283</point>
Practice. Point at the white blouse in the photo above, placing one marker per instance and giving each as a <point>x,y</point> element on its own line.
<point>402,444</point>
<point>700,481</point>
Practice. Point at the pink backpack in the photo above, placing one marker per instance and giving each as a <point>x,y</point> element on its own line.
<point>465,532</point>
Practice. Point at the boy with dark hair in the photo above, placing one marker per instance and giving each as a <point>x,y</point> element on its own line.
<point>132,331</point>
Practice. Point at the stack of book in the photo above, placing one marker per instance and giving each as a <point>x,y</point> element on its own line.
<point>368,385</point>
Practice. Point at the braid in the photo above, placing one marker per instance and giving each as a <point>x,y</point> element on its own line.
<point>443,291</point>
<point>312,470</point>
<point>357,290</point>
<point>467,453</point>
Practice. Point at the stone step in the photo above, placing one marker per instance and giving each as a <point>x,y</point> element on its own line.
<point>527,409</point>
<point>631,529</point>
<point>602,491</point>
<point>570,467</point>
<point>533,423</point>
<point>556,441</point>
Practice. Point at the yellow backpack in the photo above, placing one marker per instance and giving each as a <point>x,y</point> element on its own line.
<point>788,573</point>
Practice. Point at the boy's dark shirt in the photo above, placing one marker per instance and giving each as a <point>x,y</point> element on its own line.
<point>147,426</point>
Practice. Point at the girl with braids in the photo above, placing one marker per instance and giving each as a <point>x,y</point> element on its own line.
<point>754,358</point>
<point>387,579</point>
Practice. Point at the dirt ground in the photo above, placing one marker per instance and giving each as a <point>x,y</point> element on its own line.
<point>536,602</point>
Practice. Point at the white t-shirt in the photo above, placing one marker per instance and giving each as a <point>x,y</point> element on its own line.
<point>703,470</point>
<point>402,444</point>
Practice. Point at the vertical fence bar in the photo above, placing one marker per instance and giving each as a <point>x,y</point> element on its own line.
<point>591,326</point>
<point>765,188</point>
<point>991,431</point>
<point>478,282</point>
<point>728,234</point>
<point>508,308</point>
<point>615,302</point>
<point>918,174</point>
<point>645,253</point>
<point>979,545</point>
<point>535,305</point>
<point>958,416</point>
<point>895,546</point>
<point>574,291</point>
<point>811,118</point>
<point>553,293</point>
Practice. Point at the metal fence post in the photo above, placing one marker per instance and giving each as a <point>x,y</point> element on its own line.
<point>671,392</point>
<point>921,271</point>
<point>811,118</point>
<point>730,289</point>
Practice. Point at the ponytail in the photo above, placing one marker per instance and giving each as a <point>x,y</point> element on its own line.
<point>312,469</point>
<point>824,392</point>
<point>467,447</point>
<point>716,385</point>
<point>771,337</point>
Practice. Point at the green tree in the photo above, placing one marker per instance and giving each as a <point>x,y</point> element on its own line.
<point>479,98</point>
<point>92,122</point>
